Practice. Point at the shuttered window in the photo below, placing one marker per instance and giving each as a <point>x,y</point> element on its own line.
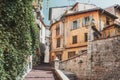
<point>74,39</point>
<point>86,21</point>
<point>71,54</point>
<point>107,21</point>
<point>59,56</point>
<point>58,42</point>
<point>75,24</point>
<point>86,37</point>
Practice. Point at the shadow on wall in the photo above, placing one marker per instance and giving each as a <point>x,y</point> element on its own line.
<point>42,51</point>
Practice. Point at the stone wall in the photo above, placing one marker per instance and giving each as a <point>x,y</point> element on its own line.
<point>106,59</point>
<point>76,65</point>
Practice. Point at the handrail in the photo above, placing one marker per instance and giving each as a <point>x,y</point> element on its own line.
<point>82,53</point>
<point>60,75</point>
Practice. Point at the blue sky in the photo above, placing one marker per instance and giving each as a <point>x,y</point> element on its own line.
<point>54,3</point>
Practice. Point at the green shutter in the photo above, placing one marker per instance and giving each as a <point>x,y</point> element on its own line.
<point>78,23</point>
<point>83,22</point>
<point>90,18</point>
<point>71,25</point>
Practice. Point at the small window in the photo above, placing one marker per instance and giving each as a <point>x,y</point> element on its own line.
<point>107,21</point>
<point>38,14</point>
<point>74,25</point>
<point>59,56</point>
<point>86,37</point>
<point>46,43</point>
<point>57,30</point>
<point>74,39</point>
<point>58,42</point>
<point>95,35</point>
<point>71,54</point>
<point>86,20</point>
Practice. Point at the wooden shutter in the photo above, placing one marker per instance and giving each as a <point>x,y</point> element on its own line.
<point>83,22</point>
<point>78,23</point>
<point>61,28</point>
<point>90,18</point>
<point>71,25</point>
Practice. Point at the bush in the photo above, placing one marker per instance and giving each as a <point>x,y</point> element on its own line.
<point>18,37</point>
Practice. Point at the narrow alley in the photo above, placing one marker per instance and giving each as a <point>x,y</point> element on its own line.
<point>41,72</point>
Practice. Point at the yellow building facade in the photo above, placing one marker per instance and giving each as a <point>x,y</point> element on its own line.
<point>69,35</point>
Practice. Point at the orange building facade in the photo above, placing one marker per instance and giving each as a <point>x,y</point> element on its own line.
<point>69,35</point>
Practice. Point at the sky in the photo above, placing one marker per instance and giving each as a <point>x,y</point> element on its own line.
<point>54,3</point>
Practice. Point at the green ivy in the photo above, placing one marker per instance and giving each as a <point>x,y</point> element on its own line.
<point>18,37</point>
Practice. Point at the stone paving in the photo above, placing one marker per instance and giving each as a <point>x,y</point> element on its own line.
<point>42,72</point>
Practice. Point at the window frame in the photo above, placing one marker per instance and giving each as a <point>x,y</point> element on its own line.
<point>86,20</point>
<point>74,39</point>
<point>58,42</point>
<point>107,20</point>
<point>59,56</point>
<point>75,24</point>
<point>71,54</point>
<point>85,37</point>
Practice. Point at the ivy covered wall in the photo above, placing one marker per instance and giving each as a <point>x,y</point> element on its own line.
<point>18,37</point>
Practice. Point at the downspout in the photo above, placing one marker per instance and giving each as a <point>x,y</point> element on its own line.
<point>100,22</point>
<point>63,21</point>
<point>90,48</point>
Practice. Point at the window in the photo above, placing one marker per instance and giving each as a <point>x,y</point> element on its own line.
<point>58,42</point>
<point>86,37</point>
<point>86,20</point>
<point>71,54</point>
<point>95,35</point>
<point>74,39</point>
<point>59,56</point>
<point>74,25</point>
<point>46,43</point>
<point>57,30</point>
<point>38,14</point>
<point>107,21</point>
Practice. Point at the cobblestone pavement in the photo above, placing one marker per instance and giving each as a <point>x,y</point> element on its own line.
<point>42,72</point>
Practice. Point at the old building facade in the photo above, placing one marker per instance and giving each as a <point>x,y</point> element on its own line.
<point>44,32</point>
<point>69,34</point>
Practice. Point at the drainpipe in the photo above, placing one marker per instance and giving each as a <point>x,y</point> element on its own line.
<point>63,21</point>
<point>90,48</point>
